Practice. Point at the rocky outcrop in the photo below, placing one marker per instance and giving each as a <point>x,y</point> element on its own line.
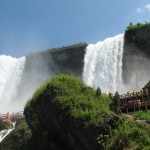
<point>69,59</point>
<point>140,38</point>
<point>136,57</point>
<point>43,65</point>
<point>59,120</point>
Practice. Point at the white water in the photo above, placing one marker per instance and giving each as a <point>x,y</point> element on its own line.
<point>103,64</point>
<point>11,70</point>
<point>5,132</point>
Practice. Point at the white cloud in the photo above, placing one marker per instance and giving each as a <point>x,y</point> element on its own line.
<point>147,7</point>
<point>143,9</point>
<point>139,10</point>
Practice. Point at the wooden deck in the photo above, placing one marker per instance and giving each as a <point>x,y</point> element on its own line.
<point>134,102</point>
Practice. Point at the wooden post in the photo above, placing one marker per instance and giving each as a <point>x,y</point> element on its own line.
<point>146,107</point>
<point>139,108</point>
<point>127,110</point>
<point>134,108</point>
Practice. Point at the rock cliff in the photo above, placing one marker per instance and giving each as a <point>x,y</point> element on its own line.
<point>136,57</point>
<point>43,65</point>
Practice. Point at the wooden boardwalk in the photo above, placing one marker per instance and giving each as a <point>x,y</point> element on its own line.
<point>134,102</point>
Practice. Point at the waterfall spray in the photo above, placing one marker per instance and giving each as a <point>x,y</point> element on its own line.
<point>11,70</point>
<point>103,64</point>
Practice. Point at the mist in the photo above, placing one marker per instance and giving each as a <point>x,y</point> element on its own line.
<point>136,68</point>
<point>37,68</point>
<point>116,65</point>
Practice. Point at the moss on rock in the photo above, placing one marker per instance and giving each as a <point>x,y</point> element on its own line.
<point>69,113</point>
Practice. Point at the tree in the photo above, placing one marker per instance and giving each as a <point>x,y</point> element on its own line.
<point>116,101</point>
<point>98,92</point>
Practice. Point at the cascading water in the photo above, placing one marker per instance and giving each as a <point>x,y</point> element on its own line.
<point>103,64</point>
<point>11,70</point>
<point>5,132</point>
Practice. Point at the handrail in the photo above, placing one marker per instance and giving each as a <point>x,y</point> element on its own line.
<point>13,116</point>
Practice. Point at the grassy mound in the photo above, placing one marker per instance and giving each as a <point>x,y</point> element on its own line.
<point>80,101</point>
<point>68,114</point>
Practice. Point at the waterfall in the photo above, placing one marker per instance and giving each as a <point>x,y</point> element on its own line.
<point>103,64</point>
<point>5,132</point>
<point>11,70</point>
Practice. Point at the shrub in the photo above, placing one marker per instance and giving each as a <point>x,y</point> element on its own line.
<point>116,102</point>
<point>143,115</point>
<point>129,135</point>
<point>98,92</point>
<point>136,26</point>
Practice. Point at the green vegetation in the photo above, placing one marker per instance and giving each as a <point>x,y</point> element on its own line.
<point>74,46</point>
<point>6,124</point>
<point>64,103</point>
<point>17,139</point>
<point>136,26</point>
<point>142,115</point>
<point>98,92</point>
<point>129,135</point>
<point>81,101</point>
<point>116,102</point>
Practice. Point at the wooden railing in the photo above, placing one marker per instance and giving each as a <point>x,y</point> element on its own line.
<point>12,117</point>
<point>134,101</point>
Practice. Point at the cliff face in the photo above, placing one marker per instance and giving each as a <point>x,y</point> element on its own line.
<point>43,65</point>
<point>139,37</point>
<point>136,57</point>
<point>69,59</point>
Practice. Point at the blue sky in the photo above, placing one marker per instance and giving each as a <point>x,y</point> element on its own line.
<point>33,25</point>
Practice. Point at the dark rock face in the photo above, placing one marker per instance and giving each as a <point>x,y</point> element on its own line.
<point>136,57</point>
<point>69,60</point>
<point>60,132</point>
<point>43,65</point>
<point>140,38</point>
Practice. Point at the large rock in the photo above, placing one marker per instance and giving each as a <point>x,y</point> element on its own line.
<point>67,115</point>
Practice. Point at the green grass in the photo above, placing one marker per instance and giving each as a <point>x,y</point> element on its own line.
<point>129,135</point>
<point>142,115</point>
<point>80,101</point>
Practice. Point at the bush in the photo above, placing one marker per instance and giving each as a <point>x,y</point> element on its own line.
<point>143,115</point>
<point>136,26</point>
<point>116,102</point>
<point>129,135</point>
<point>98,92</point>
